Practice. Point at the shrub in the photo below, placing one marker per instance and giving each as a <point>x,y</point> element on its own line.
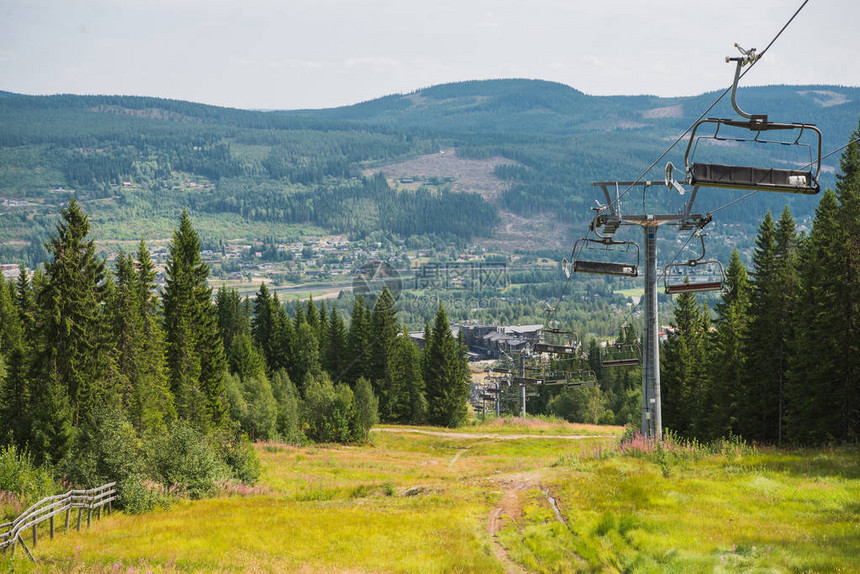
<point>330,411</point>
<point>137,494</point>
<point>366,409</point>
<point>261,420</point>
<point>105,449</point>
<point>22,482</point>
<point>289,407</point>
<point>236,451</point>
<point>183,456</point>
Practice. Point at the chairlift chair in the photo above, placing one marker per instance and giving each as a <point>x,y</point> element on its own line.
<point>695,275</point>
<point>581,379</point>
<point>620,355</point>
<point>755,178</point>
<point>581,265</point>
<point>558,341</point>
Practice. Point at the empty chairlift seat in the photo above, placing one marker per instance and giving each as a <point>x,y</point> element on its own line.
<point>753,178</point>
<point>610,248</point>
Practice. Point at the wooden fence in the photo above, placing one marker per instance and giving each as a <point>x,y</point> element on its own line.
<point>48,508</point>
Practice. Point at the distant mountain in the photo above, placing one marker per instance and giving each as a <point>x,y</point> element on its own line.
<point>536,106</point>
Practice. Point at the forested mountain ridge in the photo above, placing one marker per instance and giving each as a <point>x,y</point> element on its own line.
<point>541,107</point>
<point>141,159</point>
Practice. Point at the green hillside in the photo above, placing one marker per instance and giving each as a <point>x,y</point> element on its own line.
<point>141,159</point>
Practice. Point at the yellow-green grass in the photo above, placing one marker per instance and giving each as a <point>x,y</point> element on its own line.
<point>410,502</point>
<point>403,503</point>
<point>768,511</point>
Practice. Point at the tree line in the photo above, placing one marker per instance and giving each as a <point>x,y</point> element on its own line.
<point>103,379</point>
<point>781,359</point>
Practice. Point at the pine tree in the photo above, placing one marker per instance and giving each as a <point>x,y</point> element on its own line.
<point>358,343</point>
<point>264,326</point>
<point>334,361</point>
<point>447,376</point>
<point>683,363</point>
<point>195,353</point>
<point>232,319</point>
<point>719,415</point>
<point>72,364</point>
<point>824,379</point>
<point>14,387</point>
<point>759,395</point>
<point>383,332</point>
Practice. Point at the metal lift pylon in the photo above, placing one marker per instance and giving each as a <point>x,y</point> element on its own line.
<point>610,218</point>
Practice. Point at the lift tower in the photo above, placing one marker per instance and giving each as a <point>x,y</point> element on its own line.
<point>607,221</point>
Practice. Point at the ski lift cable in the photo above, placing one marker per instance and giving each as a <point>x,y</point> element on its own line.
<point>752,63</point>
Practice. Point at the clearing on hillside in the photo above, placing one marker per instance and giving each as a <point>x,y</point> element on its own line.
<point>478,176</point>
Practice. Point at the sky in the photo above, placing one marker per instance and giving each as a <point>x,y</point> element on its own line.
<point>297,54</point>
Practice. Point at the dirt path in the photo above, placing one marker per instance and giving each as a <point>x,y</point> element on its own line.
<point>492,436</point>
<point>510,507</point>
<point>513,487</point>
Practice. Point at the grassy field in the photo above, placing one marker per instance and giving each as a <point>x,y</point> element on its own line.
<point>506,496</point>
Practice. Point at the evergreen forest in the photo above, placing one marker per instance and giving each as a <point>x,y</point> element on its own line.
<point>103,377</point>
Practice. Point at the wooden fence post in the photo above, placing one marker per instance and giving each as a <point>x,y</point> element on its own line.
<point>89,515</point>
<point>34,535</point>
<point>51,522</point>
<point>68,508</point>
<point>80,510</point>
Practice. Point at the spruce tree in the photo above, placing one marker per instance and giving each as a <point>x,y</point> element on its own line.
<point>306,356</point>
<point>72,362</point>
<point>359,343</point>
<point>14,387</point>
<point>683,365</point>
<point>447,375</point>
<point>383,332</point>
<point>720,409</point>
<point>759,395</point>
<point>263,326</point>
<point>847,424</point>
<point>285,336</point>
<point>825,372</point>
<point>816,358</point>
<point>154,396</point>
<point>232,319</point>
<point>195,353</point>
<point>74,344</point>
<point>334,361</point>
